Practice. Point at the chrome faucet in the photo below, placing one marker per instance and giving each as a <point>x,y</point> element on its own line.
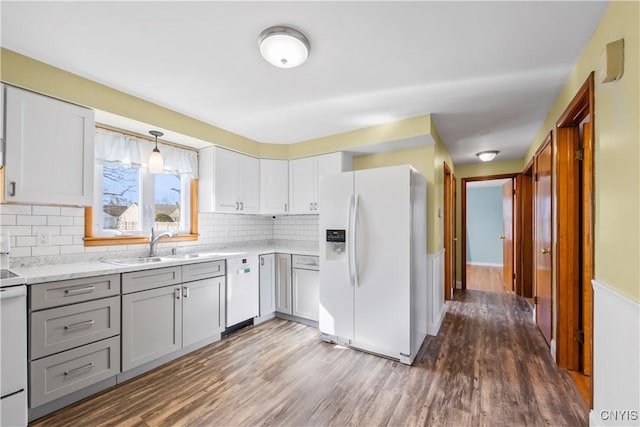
<point>155,238</point>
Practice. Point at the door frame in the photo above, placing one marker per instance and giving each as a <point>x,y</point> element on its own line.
<point>574,253</point>
<point>463,213</point>
<point>526,218</point>
<point>449,278</point>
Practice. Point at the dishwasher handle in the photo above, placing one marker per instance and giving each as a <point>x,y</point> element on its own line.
<point>13,292</point>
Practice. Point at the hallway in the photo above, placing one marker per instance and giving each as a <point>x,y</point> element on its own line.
<point>488,366</point>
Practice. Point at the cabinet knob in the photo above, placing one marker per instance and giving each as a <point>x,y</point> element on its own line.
<point>178,293</point>
<point>241,206</point>
<point>12,188</point>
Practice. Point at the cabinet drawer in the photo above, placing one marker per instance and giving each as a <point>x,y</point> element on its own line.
<point>63,328</point>
<point>149,279</point>
<point>306,262</point>
<point>58,375</point>
<point>53,294</point>
<point>202,270</point>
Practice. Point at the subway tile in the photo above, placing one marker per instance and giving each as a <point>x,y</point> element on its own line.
<point>46,210</point>
<point>18,230</point>
<point>15,209</point>
<point>78,220</point>
<point>25,241</point>
<point>7,219</point>
<point>45,250</point>
<point>31,220</point>
<point>54,230</point>
<point>73,229</point>
<point>71,249</point>
<point>60,220</point>
<point>23,251</point>
<point>72,211</point>
<point>61,240</point>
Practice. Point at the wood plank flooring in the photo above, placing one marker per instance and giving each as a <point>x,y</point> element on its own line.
<point>486,278</point>
<point>489,366</point>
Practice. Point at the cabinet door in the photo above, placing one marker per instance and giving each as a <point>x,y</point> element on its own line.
<point>225,180</point>
<point>267,284</point>
<point>151,325</point>
<point>274,186</point>
<point>303,185</point>
<point>305,293</point>
<point>202,309</point>
<point>42,135</point>
<point>283,283</point>
<point>249,183</point>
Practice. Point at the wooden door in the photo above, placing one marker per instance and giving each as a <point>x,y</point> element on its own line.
<point>526,213</point>
<point>507,235</point>
<point>542,243</point>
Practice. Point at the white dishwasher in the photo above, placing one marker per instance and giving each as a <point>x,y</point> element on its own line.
<point>243,290</point>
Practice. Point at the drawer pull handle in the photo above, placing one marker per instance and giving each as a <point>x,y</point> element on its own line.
<point>80,324</point>
<point>78,291</point>
<point>185,292</point>
<point>79,369</point>
<point>178,293</point>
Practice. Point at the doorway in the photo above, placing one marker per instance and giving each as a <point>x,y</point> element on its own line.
<point>489,210</point>
<point>574,165</point>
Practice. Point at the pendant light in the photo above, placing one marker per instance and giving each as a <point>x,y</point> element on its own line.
<point>156,162</point>
<point>284,47</point>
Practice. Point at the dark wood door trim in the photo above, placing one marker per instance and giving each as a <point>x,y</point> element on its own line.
<point>463,214</point>
<point>575,234</point>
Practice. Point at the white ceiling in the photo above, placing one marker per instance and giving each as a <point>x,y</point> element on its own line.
<point>487,71</point>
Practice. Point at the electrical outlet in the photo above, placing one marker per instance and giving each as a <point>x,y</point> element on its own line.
<point>44,239</point>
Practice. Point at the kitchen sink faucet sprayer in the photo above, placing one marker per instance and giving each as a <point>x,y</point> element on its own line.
<point>154,239</point>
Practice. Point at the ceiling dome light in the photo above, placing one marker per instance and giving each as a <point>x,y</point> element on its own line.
<point>487,156</point>
<point>284,47</point>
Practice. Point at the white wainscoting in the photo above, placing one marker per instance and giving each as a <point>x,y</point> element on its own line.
<point>616,356</point>
<point>436,308</point>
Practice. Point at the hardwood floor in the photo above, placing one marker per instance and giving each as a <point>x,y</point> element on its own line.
<point>488,366</point>
<point>485,278</point>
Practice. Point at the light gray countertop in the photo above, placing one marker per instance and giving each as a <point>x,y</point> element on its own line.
<point>56,272</point>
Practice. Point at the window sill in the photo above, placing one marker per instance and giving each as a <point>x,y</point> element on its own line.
<point>134,240</point>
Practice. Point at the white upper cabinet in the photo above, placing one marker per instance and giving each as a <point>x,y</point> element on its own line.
<point>274,186</point>
<point>304,179</point>
<point>229,181</point>
<point>49,150</point>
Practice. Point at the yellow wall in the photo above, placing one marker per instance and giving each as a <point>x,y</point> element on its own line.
<point>617,152</point>
<point>469,171</point>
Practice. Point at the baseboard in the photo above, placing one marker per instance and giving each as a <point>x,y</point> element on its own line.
<point>434,327</point>
<point>485,264</point>
<point>264,318</point>
<point>552,349</point>
<point>458,284</point>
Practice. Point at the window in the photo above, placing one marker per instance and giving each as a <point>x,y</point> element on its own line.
<point>129,201</point>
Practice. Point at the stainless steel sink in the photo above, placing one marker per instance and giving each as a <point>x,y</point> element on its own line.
<point>136,261</point>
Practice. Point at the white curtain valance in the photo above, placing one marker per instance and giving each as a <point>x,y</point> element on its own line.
<point>114,148</point>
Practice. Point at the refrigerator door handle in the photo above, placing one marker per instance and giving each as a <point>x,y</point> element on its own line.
<point>355,240</point>
<point>350,242</point>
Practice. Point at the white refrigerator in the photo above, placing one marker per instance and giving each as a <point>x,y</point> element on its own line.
<point>373,278</point>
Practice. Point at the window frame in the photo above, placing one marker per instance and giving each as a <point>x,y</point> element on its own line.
<point>91,240</point>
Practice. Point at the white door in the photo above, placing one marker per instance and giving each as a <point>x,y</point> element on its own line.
<point>249,183</point>
<point>267,284</point>
<point>303,183</point>
<point>226,187</point>
<point>336,286</point>
<point>383,260</point>
<point>49,149</point>
<point>202,309</point>
<point>274,186</point>
<point>305,286</point>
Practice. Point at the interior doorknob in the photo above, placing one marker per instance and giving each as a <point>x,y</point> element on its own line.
<point>502,237</point>
<point>545,251</point>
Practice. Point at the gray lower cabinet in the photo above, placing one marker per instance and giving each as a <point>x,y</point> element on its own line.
<point>306,293</point>
<point>74,335</point>
<point>63,373</point>
<point>151,325</point>
<point>203,309</point>
<point>283,283</point>
<point>267,284</point>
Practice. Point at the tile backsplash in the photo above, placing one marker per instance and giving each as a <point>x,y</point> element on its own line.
<point>64,226</point>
